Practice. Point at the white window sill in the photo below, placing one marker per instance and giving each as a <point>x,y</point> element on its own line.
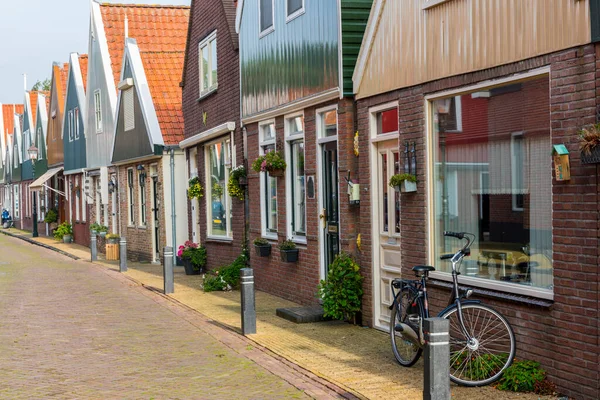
<point>295,15</point>
<point>433,3</point>
<point>266,32</point>
<point>269,236</point>
<point>224,239</point>
<point>299,240</point>
<point>208,92</point>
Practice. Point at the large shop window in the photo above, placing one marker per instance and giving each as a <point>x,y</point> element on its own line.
<point>268,184</point>
<point>296,196</point>
<point>218,201</point>
<point>492,177</point>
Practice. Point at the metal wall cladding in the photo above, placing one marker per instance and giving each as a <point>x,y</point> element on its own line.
<point>460,36</point>
<point>98,143</point>
<point>298,59</point>
<point>75,155</point>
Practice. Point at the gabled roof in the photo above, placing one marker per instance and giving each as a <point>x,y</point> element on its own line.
<point>230,8</point>
<point>64,74</point>
<point>163,70</point>
<point>33,99</point>
<point>8,112</point>
<point>60,73</point>
<point>154,27</point>
<point>83,64</point>
<point>77,74</point>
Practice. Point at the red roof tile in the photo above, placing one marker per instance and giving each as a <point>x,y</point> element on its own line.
<point>154,27</point>
<point>163,72</point>
<point>64,75</point>
<point>83,64</point>
<point>8,111</point>
<point>33,99</point>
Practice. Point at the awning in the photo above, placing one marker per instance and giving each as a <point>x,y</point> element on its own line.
<point>39,182</point>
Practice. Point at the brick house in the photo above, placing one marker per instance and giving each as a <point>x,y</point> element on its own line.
<point>476,120</point>
<point>296,99</point>
<point>151,177</point>
<point>213,138</point>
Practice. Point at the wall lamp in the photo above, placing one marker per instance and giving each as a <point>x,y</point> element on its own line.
<point>112,185</point>
<point>142,175</point>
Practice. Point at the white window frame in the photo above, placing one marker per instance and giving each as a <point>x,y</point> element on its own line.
<point>98,110</point>
<point>83,198</point>
<point>16,197</point>
<point>208,188</point>
<point>76,123</point>
<point>289,138</point>
<point>289,17</point>
<point>263,179</point>
<point>212,86</point>
<point>130,201</point>
<point>513,169</point>
<point>39,143</point>
<point>263,33</point>
<point>77,199</point>
<point>429,145</point>
<point>128,110</point>
<point>70,125</point>
<point>98,200</point>
<point>142,199</point>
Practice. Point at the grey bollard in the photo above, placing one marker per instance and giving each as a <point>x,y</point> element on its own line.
<point>248,302</point>
<point>123,255</point>
<point>169,284</point>
<point>436,382</point>
<point>94,247</point>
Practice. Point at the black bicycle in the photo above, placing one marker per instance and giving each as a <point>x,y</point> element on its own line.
<point>482,342</point>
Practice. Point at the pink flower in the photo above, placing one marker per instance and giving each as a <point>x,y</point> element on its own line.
<point>180,251</point>
<point>263,165</point>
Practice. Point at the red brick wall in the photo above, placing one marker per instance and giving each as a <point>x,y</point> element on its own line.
<point>564,336</point>
<point>220,107</point>
<point>298,281</point>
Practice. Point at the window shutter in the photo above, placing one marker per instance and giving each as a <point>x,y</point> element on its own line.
<point>128,111</point>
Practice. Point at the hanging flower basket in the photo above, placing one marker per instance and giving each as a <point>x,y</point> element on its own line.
<point>272,162</point>
<point>262,247</point>
<point>590,144</point>
<point>234,185</point>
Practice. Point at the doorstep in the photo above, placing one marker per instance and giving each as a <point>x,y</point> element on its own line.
<point>301,315</point>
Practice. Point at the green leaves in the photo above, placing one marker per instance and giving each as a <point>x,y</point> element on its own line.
<point>342,290</point>
<point>522,376</point>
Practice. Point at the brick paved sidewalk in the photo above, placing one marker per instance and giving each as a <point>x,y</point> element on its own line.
<point>354,358</point>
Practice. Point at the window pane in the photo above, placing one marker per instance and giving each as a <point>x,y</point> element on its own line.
<point>268,132</point>
<point>396,194</point>
<point>270,190</point>
<point>493,179</point>
<point>219,200</point>
<point>293,6</point>
<point>384,190</point>
<point>387,121</point>
<point>296,125</point>
<point>205,68</point>
<point>213,46</point>
<point>266,14</point>
<point>330,123</point>
<point>298,189</point>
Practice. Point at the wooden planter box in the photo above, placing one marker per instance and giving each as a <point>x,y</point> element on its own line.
<point>112,251</point>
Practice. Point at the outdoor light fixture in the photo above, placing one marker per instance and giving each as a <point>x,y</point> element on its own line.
<point>32,151</point>
<point>142,175</point>
<point>112,185</point>
<point>413,159</point>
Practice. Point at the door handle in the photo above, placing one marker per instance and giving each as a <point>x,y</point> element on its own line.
<point>323,217</point>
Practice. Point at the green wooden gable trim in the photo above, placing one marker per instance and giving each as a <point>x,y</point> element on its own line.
<point>355,15</point>
<point>158,149</point>
<point>595,20</point>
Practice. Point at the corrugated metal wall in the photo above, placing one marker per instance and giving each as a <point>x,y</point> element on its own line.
<point>461,36</point>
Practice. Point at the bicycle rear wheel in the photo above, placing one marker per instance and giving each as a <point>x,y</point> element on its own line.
<point>481,360</point>
<point>406,352</point>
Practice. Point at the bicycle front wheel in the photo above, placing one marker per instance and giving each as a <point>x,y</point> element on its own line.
<point>482,359</point>
<point>406,352</point>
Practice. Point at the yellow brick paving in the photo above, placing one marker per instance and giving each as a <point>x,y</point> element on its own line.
<point>355,358</point>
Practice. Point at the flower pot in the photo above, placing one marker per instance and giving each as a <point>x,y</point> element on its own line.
<point>276,172</point>
<point>113,241</point>
<point>263,251</point>
<point>289,255</point>
<point>179,261</point>
<point>102,234</point>
<point>189,268</point>
<point>407,187</point>
<point>242,181</point>
<point>67,238</point>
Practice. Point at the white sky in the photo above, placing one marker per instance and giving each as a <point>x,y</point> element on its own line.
<point>35,33</point>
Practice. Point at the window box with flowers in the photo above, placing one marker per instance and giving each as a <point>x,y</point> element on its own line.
<point>237,178</point>
<point>193,257</point>
<point>262,247</point>
<point>272,162</point>
<point>404,183</point>
<point>195,189</point>
<point>288,251</point>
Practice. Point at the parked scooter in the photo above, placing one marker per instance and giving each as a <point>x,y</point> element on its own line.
<point>7,221</point>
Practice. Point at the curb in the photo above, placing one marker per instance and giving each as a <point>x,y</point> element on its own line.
<point>35,242</point>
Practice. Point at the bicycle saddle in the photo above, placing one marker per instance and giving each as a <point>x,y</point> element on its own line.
<point>423,268</point>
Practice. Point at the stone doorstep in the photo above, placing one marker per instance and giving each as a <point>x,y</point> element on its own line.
<point>301,315</point>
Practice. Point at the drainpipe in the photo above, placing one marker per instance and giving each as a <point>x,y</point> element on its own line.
<point>173,213</point>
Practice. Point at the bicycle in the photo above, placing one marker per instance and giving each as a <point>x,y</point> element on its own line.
<point>482,342</point>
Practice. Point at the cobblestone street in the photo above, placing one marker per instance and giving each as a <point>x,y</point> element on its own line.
<point>68,330</point>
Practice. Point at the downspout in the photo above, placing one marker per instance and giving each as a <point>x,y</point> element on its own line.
<point>173,213</point>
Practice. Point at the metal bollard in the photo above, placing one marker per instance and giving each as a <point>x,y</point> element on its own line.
<point>123,255</point>
<point>436,382</point>
<point>248,301</point>
<point>94,247</point>
<point>169,284</point>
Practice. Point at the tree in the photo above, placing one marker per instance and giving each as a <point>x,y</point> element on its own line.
<point>41,85</point>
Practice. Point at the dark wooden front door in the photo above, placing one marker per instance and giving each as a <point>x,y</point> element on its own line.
<point>330,201</point>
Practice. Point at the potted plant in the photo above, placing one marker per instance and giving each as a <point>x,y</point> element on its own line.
<point>341,291</point>
<point>64,232</point>
<point>589,146</point>
<point>234,187</point>
<point>193,256</point>
<point>262,247</point>
<point>51,218</point>
<point>99,229</point>
<point>195,189</point>
<point>288,251</point>
<point>405,183</point>
<point>272,162</point>
<point>113,238</point>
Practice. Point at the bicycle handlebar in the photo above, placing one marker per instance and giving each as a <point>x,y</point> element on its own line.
<point>458,235</point>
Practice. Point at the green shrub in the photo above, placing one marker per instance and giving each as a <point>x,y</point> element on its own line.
<point>522,376</point>
<point>98,227</point>
<point>342,290</point>
<point>63,229</point>
<point>480,367</point>
<point>396,180</point>
<point>226,277</point>
<point>51,216</point>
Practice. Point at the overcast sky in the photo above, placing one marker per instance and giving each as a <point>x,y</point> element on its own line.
<point>34,33</point>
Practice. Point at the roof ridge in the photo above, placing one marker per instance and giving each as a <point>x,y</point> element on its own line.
<point>124,5</point>
<point>163,52</point>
